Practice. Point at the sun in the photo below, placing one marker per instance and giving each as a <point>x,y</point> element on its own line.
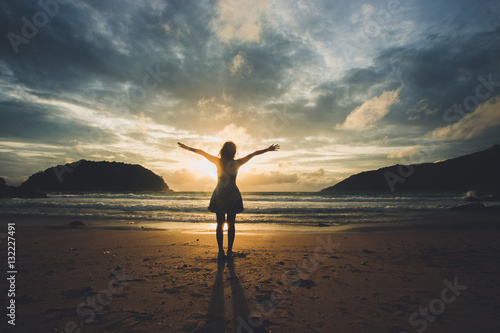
<point>206,168</point>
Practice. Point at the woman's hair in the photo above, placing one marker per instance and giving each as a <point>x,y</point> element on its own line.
<point>228,150</point>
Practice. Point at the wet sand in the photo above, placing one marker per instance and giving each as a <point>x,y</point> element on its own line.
<point>94,280</point>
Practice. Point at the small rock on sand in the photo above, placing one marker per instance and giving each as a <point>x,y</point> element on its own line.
<point>307,283</point>
<point>76,223</point>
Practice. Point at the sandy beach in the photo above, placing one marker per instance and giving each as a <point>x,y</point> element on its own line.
<point>94,280</point>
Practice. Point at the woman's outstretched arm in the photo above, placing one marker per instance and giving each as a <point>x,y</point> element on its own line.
<point>209,157</point>
<point>247,158</point>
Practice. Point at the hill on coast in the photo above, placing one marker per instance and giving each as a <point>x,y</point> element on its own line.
<point>18,192</point>
<point>474,172</point>
<point>96,176</point>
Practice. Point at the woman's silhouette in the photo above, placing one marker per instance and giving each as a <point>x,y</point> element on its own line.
<point>226,198</point>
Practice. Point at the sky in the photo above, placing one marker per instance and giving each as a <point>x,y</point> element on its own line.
<point>342,86</point>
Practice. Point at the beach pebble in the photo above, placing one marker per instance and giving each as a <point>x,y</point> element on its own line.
<point>263,297</point>
<point>76,223</point>
<point>77,293</point>
<point>405,298</point>
<point>307,283</point>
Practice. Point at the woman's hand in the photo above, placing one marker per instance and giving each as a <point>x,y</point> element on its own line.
<point>183,146</point>
<point>273,147</point>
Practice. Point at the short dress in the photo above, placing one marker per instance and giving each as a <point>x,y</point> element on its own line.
<point>226,197</point>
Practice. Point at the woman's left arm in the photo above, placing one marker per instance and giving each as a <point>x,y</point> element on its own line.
<point>247,158</point>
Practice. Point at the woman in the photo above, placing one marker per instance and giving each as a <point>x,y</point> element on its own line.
<point>226,198</point>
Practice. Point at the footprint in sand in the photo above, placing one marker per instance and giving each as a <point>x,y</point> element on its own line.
<point>316,326</point>
<point>126,321</point>
<point>193,322</point>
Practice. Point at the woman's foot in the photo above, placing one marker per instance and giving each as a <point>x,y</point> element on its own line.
<point>230,253</point>
<point>221,255</point>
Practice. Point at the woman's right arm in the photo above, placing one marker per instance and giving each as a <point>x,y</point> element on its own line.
<point>209,157</point>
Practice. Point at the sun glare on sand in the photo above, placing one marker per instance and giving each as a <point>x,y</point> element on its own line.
<point>213,226</point>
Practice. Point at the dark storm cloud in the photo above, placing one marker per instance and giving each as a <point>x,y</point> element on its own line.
<point>437,75</point>
<point>443,72</point>
<point>27,122</point>
<point>108,42</point>
<point>100,52</point>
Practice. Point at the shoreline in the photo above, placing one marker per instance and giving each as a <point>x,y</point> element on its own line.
<point>411,221</point>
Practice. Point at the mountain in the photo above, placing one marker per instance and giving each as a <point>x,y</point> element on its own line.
<point>479,172</point>
<point>18,192</point>
<point>96,176</point>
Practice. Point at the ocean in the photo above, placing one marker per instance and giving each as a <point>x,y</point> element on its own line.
<point>294,209</point>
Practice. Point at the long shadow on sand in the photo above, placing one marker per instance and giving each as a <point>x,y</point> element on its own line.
<point>216,321</point>
<point>239,302</point>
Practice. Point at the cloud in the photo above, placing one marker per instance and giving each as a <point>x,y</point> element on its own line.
<point>230,64</point>
<point>408,152</point>
<point>240,20</point>
<point>485,116</point>
<point>237,134</point>
<point>43,122</point>
<point>212,108</point>
<point>239,65</point>
<point>266,178</point>
<point>370,112</point>
<point>187,180</point>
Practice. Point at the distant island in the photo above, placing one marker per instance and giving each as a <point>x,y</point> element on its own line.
<point>88,176</point>
<point>18,192</point>
<point>479,172</point>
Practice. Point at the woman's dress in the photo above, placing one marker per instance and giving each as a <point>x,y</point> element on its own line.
<point>226,197</point>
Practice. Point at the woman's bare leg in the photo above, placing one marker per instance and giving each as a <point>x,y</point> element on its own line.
<point>231,218</point>
<point>220,236</point>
